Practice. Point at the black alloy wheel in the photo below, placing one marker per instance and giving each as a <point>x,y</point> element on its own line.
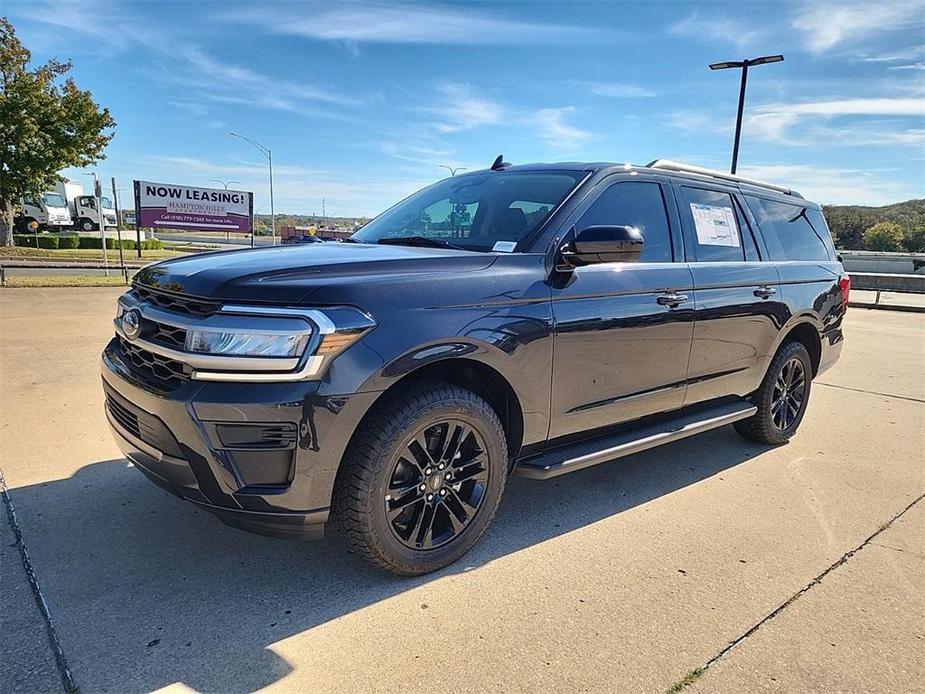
<point>789,393</point>
<point>781,398</point>
<point>422,477</point>
<point>437,485</point>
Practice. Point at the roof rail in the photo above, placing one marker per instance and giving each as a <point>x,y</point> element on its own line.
<point>681,167</point>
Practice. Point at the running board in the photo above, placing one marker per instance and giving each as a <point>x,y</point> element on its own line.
<point>568,459</point>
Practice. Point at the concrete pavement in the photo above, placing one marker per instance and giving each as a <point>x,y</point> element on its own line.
<point>623,577</point>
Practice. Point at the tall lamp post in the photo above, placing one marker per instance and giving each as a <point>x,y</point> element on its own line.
<point>269,155</point>
<point>452,169</point>
<point>225,184</point>
<point>744,65</point>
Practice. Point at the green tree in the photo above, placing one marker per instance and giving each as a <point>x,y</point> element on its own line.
<point>45,125</point>
<point>884,236</point>
<point>915,240</point>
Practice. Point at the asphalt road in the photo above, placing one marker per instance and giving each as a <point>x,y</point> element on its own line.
<point>795,568</point>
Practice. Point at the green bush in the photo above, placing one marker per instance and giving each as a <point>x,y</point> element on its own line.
<point>150,245</point>
<point>884,236</point>
<point>68,241</point>
<point>90,242</point>
<point>50,242</point>
<point>25,240</point>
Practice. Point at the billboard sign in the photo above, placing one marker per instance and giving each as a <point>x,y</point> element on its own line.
<point>169,206</point>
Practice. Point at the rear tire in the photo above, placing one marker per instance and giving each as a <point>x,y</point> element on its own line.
<point>422,478</point>
<point>782,397</point>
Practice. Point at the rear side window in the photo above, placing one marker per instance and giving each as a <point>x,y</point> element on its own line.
<point>713,225</point>
<point>791,232</point>
<point>639,204</point>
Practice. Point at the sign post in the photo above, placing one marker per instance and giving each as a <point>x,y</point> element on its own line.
<point>137,225</point>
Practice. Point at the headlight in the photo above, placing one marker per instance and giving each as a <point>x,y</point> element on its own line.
<point>245,344</point>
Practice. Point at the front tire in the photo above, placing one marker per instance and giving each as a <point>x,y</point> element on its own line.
<point>87,224</point>
<point>782,397</point>
<point>422,478</point>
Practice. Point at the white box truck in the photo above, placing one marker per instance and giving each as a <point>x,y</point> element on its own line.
<point>84,214</point>
<point>48,211</point>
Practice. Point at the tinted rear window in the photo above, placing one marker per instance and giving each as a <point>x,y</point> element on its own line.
<point>790,230</point>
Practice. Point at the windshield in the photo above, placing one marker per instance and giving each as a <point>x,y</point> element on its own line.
<point>477,212</point>
<point>54,200</point>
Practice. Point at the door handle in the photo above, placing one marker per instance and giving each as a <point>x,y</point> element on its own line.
<point>671,299</point>
<point>765,291</point>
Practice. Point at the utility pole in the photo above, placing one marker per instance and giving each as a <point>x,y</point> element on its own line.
<point>743,65</point>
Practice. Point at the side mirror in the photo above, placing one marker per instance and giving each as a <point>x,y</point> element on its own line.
<point>602,243</point>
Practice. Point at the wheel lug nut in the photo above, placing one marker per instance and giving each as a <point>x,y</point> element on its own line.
<point>443,492</point>
<point>441,466</point>
<point>448,475</point>
<point>428,471</point>
<point>423,487</point>
<point>430,497</point>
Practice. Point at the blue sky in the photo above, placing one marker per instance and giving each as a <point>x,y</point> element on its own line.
<point>361,101</point>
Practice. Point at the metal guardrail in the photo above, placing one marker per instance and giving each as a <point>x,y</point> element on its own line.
<point>76,265</point>
<point>887,282</point>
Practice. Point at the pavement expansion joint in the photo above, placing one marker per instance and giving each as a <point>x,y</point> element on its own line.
<point>869,392</point>
<point>67,679</point>
<point>695,674</point>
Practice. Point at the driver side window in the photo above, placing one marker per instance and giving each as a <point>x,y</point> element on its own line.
<point>639,204</point>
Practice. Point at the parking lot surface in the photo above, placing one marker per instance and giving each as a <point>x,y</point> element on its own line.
<point>740,566</point>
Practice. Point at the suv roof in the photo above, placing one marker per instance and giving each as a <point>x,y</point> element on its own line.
<point>657,166</point>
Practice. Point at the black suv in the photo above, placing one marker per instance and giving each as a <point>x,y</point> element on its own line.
<point>524,319</point>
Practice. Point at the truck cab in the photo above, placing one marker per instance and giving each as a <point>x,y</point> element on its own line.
<point>87,218</point>
<point>45,212</point>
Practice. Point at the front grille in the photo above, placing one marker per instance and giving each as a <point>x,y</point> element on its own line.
<point>168,335</point>
<point>169,302</point>
<point>165,373</point>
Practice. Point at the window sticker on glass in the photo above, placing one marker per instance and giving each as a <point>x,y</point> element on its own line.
<point>716,226</point>
<point>504,246</point>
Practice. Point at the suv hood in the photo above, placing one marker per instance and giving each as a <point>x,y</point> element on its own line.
<point>290,274</point>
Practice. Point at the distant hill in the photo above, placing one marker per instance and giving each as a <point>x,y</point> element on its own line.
<point>848,222</point>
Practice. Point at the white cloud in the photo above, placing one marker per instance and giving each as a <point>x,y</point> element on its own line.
<point>719,29</point>
<point>910,53</point>
<point>828,24</point>
<point>552,128</point>
<point>463,108</point>
<point>620,90</point>
<point>835,186</point>
<point>355,23</point>
<point>851,107</point>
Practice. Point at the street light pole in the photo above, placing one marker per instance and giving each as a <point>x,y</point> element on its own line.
<point>98,197</point>
<point>269,155</point>
<point>225,184</point>
<point>452,169</point>
<point>743,65</point>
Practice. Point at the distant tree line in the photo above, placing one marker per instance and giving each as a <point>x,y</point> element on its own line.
<point>897,227</point>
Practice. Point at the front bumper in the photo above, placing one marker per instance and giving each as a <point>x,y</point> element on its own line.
<point>261,456</point>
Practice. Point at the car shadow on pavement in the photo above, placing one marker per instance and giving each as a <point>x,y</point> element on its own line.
<point>148,591</point>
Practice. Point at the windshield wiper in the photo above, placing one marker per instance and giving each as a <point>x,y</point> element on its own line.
<point>420,241</point>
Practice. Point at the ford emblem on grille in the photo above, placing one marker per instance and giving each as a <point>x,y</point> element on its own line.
<point>131,323</point>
